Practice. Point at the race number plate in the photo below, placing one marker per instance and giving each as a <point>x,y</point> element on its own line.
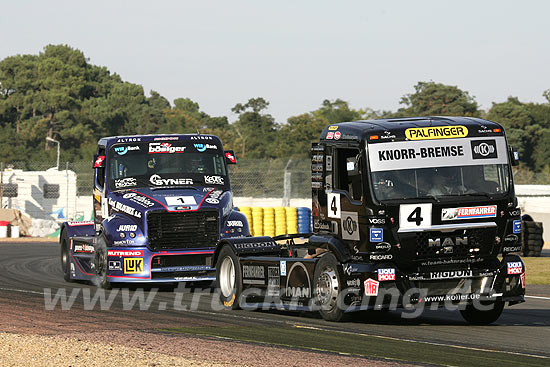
<point>415,216</point>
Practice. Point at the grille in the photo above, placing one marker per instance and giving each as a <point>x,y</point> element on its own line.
<point>182,230</point>
<point>480,243</point>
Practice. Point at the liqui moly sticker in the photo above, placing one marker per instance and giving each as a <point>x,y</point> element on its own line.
<point>515,267</point>
<point>473,212</point>
<point>386,274</point>
<point>371,287</point>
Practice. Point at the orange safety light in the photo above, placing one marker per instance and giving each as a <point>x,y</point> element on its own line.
<point>373,137</point>
<point>497,130</point>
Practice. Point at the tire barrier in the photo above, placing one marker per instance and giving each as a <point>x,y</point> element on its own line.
<point>269,221</point>
<point>532,238</point>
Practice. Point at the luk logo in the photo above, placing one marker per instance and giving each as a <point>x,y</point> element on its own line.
<point>484,149</point>
<point>133,266</point>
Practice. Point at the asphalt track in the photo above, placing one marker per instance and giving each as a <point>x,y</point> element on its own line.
<point>28,269</point>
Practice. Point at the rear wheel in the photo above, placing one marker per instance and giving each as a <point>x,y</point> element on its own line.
<point>229,278</point>
<point>328,285</point>
<point>483,317</point>
<point>65,256</point>
<point>100,262</point>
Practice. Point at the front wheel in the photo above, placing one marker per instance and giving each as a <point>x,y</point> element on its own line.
<point>328,281</point>
<point>65,256</point>
<point>483,317</point>
<point>100,263</point>
<point>229,278</point>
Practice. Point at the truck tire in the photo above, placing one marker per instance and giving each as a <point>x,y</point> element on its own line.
<point>482,317</point>
<point>229,278</point>
<point>65,256</point>
<point>532,238</point>
<point>328,285</point>
<point>100,263</point>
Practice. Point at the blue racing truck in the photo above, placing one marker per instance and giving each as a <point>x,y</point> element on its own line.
<point>161,203</point>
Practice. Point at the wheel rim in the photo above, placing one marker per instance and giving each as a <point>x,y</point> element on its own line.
<point>227,276</point>
<point>327,288</point>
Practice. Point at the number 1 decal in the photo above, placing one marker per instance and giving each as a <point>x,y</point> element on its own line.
<point>333,205</point>
<point>415,215</point>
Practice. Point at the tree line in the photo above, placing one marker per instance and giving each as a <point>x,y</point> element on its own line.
<point>59,94</point>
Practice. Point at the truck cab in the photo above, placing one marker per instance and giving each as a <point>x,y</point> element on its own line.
<point>161,202</point>
<point>408,212</point>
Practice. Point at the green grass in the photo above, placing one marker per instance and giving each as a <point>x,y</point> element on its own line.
<point>361,345</point>
<point>537,270</point>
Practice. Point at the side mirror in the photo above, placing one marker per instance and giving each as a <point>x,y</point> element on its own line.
<point>514,156</point>
<point>230,157</point>
<point>99,161</point>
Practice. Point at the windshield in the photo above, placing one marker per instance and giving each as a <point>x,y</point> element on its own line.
<point>440,182</point>
<point>162,164</point>
<point>439,168</point>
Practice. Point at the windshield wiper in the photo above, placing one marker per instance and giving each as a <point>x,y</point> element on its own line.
<point>428,197</point>
<point>484,194</point>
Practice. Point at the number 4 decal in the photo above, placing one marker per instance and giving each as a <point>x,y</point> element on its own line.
<point>415,215</point>
<point>333,205</point>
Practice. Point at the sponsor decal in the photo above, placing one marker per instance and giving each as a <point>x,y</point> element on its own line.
<point>511,238</point>
<point>376,234</point>
<point>453,297</point>
<point>213,180</point>
<point>330,135</point>
<point>133,265</point>
<point>128,140</point>
<point>386,274</point>
<point>180,200</point>
<point>297,282</point>
<point>234,223</point>
<point>99,161</point>
<point>333,127</point>
<point>451,274</point>
<point>484,149</point>
<point>167,138</point>
<point>436,132</point>
<point>125,149</point>
<point>337,135</point>
<point>273,281</point>
<point>256,245</point>
<point>253,271</point>
<point>371,287</point>
<point>202,147</point>
<point>382,246</point>
<point>516,227</point>
<point>212,201</point>
<point>350,226</point>
<point>350,268</point>
<point>84,248</point>
<point>118,206</point>
<point>469,212</point>
<point>201,137</point>
<point>127,228</point>
<point>282,265</point>
<point>84,223</point>
<point>165,148</point>
<point>322,225</point>
<point>380,257</point>
<point>356,282</point>
<point>514,267</point>
<point>377,221</point>
<point>522,277</point>
<point>514,213</point>
<point>421,153</point>
<point>139,199</point>
<point>451,261</point>
<point>124,253</point>
<point>231,157</point>
<point>125,182</point>
<point>159,181</point>
<point>447,241</point>
<point>115,265</point>
<point>125,242</point>
<point>511,249</point>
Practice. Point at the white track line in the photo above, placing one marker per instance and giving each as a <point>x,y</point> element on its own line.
<point>538,297</point>
<point>422,342</point>
<point>21,291</point>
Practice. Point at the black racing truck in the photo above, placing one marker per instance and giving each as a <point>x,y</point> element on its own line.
<point>408,212</point>
<point>161,203</point>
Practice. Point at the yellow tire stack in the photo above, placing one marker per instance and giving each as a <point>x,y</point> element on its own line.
<point>257,221</point>
<point>291,220</point>
<point>280,221</point>
<point>247,211</point>
<point>269,221</point>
